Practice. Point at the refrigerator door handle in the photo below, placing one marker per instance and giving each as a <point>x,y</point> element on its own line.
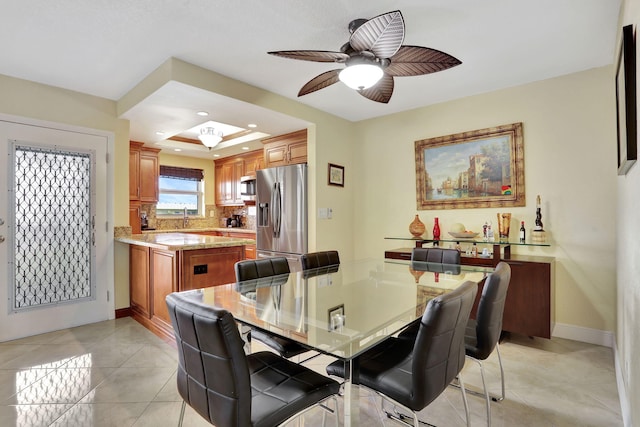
<point>276,209</point>
<point>278,215</point>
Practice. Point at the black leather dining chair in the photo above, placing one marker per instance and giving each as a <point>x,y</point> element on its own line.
<point>249,272</point>
<point>482,334</point>
<point>317,263</point>
<point>413,373</point>
<point>229,388</point>
<point>436,255</point>
<point>320,259</point>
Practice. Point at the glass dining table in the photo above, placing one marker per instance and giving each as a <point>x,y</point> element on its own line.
<point>341,311</point>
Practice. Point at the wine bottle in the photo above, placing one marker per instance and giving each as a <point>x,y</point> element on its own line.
<point>522,232</point>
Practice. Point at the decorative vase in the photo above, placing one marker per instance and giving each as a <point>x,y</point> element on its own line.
<point>417,227</point>
<point>416,274</point>
<point>436,229</point>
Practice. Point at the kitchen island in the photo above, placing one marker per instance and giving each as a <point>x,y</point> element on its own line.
<point>169,262</point>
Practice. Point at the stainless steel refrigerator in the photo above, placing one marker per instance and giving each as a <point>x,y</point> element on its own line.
<point>281,220</point>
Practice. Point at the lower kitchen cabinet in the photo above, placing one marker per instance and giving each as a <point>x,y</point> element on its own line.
<point>155,273</point>
<point>249,250</point>
<point>139,279</point>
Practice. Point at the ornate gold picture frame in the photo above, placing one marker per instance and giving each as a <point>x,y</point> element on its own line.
<point>478,169</point>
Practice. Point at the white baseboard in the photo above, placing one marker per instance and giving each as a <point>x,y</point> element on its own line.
<point>625,409</point>
<point>579,333</point>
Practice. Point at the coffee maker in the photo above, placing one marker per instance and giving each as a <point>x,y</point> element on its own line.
<point>234,221</point>
<point>144,222</point>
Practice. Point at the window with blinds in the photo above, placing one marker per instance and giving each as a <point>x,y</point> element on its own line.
<point>180,188</point>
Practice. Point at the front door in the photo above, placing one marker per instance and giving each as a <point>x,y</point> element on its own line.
<point>55,268</point>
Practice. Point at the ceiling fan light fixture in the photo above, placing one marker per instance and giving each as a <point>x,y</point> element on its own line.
<point>361,76</point>
<point>210,137</point>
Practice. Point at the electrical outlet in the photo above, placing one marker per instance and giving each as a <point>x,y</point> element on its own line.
<point>200,269</point>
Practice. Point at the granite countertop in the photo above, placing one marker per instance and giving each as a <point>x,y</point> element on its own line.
<point>197,230</point>
<point>182,241</point>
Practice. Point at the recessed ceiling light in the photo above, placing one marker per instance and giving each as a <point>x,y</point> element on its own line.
<point>252,125</point>
<point>216,155</point>
<point>245,148</point>
<point>202,113</point>
<point>177,149</point>
<point>159,132</point>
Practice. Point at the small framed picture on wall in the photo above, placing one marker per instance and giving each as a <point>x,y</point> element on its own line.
<point>336,175</point>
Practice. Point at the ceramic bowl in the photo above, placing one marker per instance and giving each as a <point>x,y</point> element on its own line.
<point>464,235</point>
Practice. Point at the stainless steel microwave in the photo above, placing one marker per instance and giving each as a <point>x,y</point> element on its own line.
<point>248,188</point>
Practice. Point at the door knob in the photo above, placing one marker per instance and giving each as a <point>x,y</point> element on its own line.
<point>1,239</point>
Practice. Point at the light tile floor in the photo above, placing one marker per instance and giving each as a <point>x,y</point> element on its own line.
<point>117,373</point>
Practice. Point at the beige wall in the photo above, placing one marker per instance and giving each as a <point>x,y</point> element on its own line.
<point>569,134</point>
<point>628,269</point>
<point>569,143</point>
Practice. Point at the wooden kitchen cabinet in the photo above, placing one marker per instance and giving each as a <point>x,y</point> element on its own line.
<point>149,175</point>
<point>216,261</point>
<point>144,171</point>
<point>134,170</point>
<point>529,308</point>
<point>155,273</point>
<point>228,173</point>
<point>134,217</point>
<point>249,250</point>
<point>164,280</point>
<point>139,280</point>
<point>253,162</point>
<point>224,182</point>
<point>285,149</point>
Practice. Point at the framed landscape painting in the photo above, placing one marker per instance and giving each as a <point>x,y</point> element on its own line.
<point>478,169</point>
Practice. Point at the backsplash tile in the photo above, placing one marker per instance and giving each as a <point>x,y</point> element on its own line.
<point>216,216</point>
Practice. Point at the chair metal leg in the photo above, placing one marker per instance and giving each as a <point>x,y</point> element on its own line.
<point>501,398</point>
<point>486,393</point>
<point>184,404</point>
<point>464,399</point>
<point>399,416</point>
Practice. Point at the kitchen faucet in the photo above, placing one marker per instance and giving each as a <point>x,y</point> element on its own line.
<point>185,218</point>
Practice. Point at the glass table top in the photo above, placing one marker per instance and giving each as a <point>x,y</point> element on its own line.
<point>341,310</point>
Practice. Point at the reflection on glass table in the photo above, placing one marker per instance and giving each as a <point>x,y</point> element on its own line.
<point>341,312</point>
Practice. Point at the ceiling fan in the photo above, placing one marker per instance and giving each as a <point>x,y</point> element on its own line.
<point>373,56</point>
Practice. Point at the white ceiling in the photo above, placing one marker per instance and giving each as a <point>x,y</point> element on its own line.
<point>106,47</point>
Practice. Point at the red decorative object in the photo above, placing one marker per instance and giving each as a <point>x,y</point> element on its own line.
<point>436,229</point>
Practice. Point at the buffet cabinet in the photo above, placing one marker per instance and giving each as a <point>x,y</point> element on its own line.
<point>530,305</point>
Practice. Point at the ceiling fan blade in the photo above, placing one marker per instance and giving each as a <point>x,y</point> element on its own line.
<point>382,35</point>
<point>312,55</point>
<point>320,82</point>
<point>381,91</point>
<point>418,60</point>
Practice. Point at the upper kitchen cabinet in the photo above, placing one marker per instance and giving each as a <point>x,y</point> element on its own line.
<point>287,149</point>
<point>144,170</point>
<point>228,173</point>
<point>253,162</point>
